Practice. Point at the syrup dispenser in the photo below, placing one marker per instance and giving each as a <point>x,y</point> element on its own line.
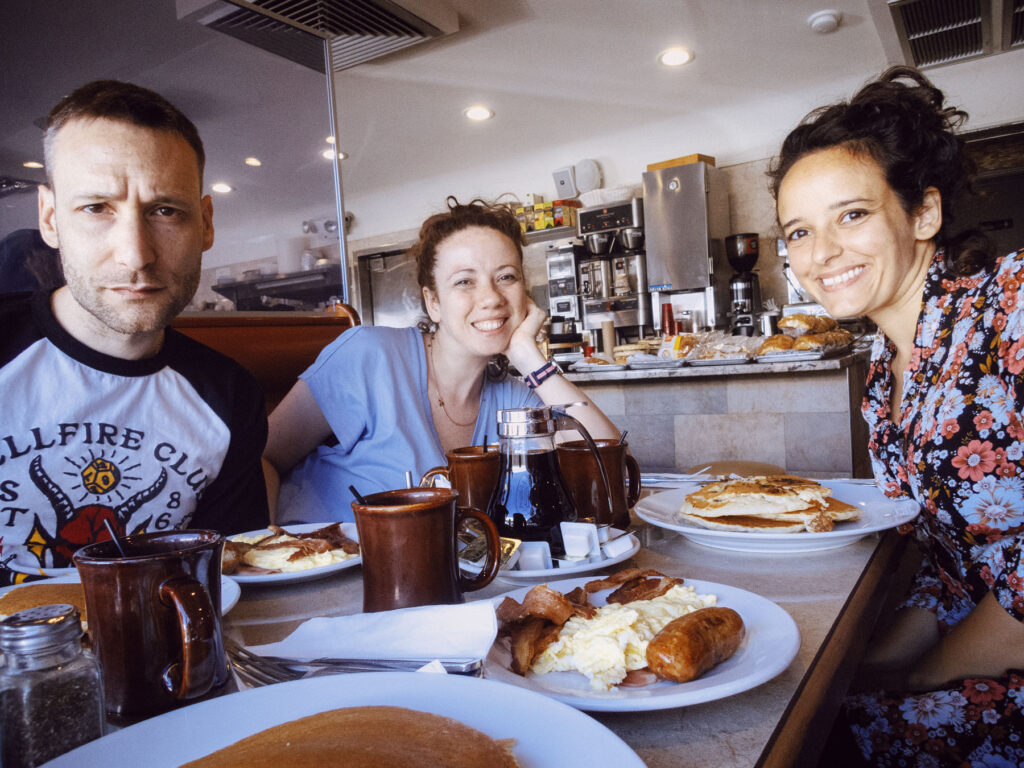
<point>531,498</point>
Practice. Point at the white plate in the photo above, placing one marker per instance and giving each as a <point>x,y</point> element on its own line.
<point>651,364</point>
<point>699,362</point>
<point>595,367</point>
<point>230,592</point>
<point>548,734</point>
<point>268,579</point>
<point>791,357</point>
<point>877,513</point>
<point>515,575</point>
<point>771,643</point>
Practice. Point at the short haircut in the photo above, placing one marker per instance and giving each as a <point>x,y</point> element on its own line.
<point>127,103</point>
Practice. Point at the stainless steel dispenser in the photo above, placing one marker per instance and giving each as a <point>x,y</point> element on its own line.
<point>686,211</point>
<point>613,279</point>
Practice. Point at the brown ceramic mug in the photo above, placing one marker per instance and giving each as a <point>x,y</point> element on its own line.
<point>582,477</point>
<point>407,540</point>
<point>154,619</point>
<point>472,472</point>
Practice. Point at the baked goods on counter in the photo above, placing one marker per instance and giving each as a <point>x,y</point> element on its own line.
<point>611,645</point>
<point>283,551</point>
<point>366,737</point>
<point>824,342</point>
<point>766,504</point>
<point>800,323</point>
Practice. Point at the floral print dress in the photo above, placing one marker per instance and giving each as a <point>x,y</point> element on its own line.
<point>958,450</point>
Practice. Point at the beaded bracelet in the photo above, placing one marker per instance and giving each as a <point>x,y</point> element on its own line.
<point>542,374</point>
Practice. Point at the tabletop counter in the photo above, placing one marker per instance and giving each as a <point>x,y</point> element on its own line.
<point>801,416</point>
<point>832,595</point>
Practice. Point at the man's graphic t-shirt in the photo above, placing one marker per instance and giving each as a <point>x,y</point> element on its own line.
<point>167,442</point>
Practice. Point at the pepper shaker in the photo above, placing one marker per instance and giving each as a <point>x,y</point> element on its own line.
<point>51,691</point>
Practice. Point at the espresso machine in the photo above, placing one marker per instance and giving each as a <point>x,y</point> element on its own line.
<point>613,271</point>
<point>744,289</point>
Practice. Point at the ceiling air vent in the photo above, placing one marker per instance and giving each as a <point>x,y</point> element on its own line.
<point>1013,23</point>
<point>934,32</point>
<point>356,30</point>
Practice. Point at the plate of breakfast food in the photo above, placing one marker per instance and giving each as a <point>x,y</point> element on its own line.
<point>775,513</point>
<point>398,719</point>
<point>68,589</point>
<point>303,552</point>
<point>639,640</point>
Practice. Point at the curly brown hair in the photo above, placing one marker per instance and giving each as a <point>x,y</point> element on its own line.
<point>437,228</point>
<point>899,120</point>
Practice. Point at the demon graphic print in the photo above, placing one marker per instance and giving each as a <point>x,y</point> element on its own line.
<point>88,440</point>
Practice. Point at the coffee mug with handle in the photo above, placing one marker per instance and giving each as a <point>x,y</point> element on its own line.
<point>472,472</point>
<point>579,468</point>
<point>408,543</point>
<point>154,619</point>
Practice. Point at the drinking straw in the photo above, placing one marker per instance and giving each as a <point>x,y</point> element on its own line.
<point>356,493</point>
<point>622,438</point>
<point>485,441</point>
<point>117,541</point>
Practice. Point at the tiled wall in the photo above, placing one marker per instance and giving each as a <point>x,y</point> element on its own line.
<point>805,422</point>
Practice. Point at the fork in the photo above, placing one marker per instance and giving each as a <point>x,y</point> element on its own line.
<point>265,670</point>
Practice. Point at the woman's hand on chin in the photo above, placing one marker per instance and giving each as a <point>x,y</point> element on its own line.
<point>522,350</point>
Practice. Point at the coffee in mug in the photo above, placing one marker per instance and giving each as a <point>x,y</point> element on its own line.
<point>154,619</point>
<point>472,472</point>
<point>579,468</point>
<point>407,539</point>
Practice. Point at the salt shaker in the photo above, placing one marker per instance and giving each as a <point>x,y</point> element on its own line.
<point>51,691</point>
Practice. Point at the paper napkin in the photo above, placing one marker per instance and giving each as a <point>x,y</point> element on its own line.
<point>428,632</point>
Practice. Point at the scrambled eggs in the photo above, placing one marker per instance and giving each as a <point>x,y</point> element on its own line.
<point>277,559</point>
<point>615,641</point>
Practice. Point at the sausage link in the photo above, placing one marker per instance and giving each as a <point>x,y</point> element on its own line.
<point>689,646</point>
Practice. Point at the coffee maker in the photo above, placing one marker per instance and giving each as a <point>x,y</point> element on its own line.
<point>613,272</point>
<point>744,290</point>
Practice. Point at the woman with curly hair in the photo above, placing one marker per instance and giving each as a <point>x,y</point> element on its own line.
<point>382,401</point>
<point>865,194</point>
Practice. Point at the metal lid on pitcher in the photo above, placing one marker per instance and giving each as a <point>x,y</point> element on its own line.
<point>526,422</point>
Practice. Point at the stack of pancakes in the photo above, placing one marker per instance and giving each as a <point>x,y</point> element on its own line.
<point>43,593</point>
<point>766,504</point>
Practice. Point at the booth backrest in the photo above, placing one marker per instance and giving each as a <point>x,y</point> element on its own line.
<point>274,346</point>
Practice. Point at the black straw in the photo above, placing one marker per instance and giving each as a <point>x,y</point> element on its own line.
<point>355,493</point>
<point>485,441</point>
<point>117,541</point>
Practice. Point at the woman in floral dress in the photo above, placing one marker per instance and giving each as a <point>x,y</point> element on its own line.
<point>865,191</point>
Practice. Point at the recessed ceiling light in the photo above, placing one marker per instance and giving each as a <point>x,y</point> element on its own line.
<point>675,57</point>
<point>479,112</point>
<point>330,139</point>
<point>32,164</point>
<point>253,161</point>
<point>221,187</point>
<point>328,154</point>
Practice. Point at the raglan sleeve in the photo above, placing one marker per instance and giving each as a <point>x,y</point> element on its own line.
<point>237,500</point>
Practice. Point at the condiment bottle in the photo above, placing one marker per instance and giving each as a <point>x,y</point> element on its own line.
<point>51,691</point>
<point>530,498</point>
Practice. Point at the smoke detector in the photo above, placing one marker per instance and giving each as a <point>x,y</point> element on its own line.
<point>824,22</point>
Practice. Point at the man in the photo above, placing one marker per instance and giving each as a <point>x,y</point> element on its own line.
<point>109,416</point>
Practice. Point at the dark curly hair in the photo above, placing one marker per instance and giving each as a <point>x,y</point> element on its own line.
<point>440,226</point>
<point>900,122</point>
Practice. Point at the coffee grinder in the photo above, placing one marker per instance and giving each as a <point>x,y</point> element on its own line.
<point>744,290</point>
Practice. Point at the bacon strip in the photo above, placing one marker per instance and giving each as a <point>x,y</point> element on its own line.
<point>642,589</point>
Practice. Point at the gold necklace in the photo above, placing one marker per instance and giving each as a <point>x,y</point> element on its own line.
<point>437,389</point>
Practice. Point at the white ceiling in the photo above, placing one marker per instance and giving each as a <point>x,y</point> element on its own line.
<point>577,74</point>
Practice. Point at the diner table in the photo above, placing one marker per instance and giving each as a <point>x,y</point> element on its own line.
<point>834,596</point>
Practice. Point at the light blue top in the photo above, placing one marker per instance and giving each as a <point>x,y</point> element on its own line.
<point>371,385</point>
